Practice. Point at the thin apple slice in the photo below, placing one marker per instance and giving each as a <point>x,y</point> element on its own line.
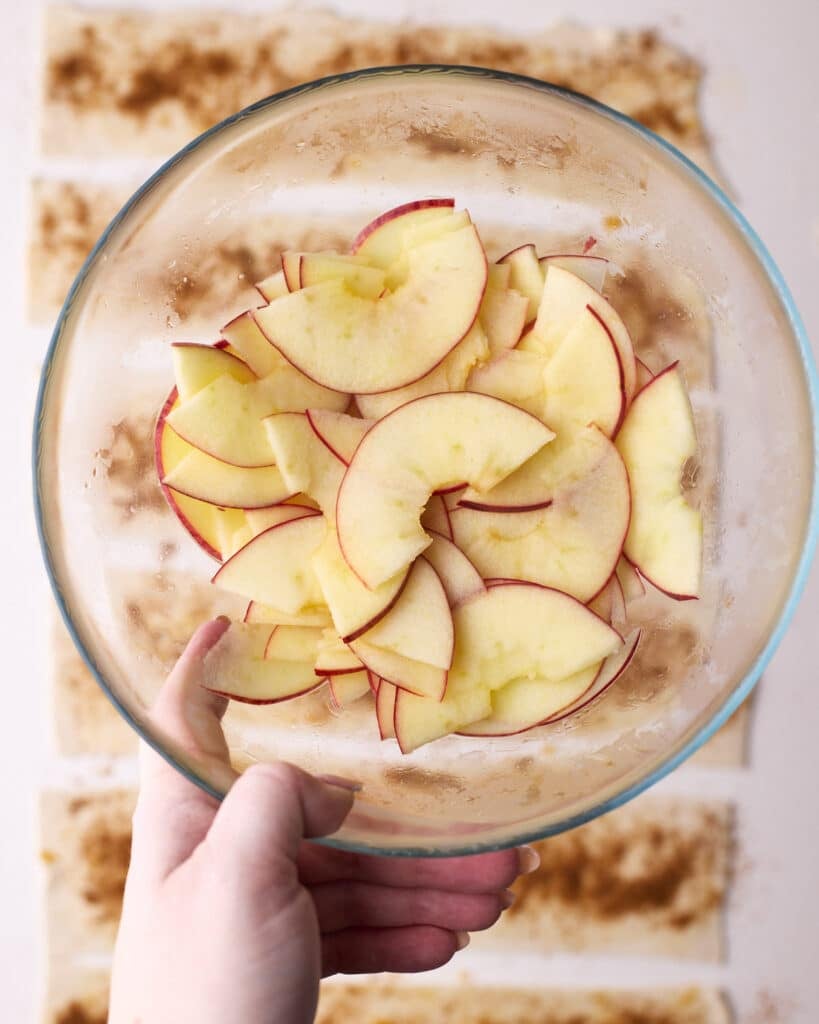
<point>318,615</point>
<point>201,476</point>
<point>633,586</point>
<point>293,643</point>
<point>591,269</point>
<point>347,689</point>
<point>341,433</point>
<point>195,366</point>
<point>405,673</point>
<point>429,444</point>
<point>381,242</point>
<point>368,282</point>
<point>611,670</point>
<point>385,709</point>
<point>354,607</point>
<point>361,346</point>
<point>275,568</point>
<point>435,517</point>
<point>419,624</point>
<point>664,540</point>
<point>503,316</point>
<point>644,375</point>
<point>526,276</point>
<point>262,519</point>
<point>573,544</point>
<point>603,604</point>
<point>244,336</point>
<point>335,658</point>
<point>291,268</point>
<point>460,579</point>
<point>515,377</point>
<point>565,297</point>
<point>236,667</point>
<point>524,704</point>
<point>272,287</point>
<point>419,720</point>
<point>307,465</point>
<point>449,375</point>
<point>500,276</point>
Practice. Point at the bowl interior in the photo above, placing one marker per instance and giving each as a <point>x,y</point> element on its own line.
<point>531,163</point>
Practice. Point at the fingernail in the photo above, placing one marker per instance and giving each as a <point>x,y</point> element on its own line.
<point>528,860</point>
<point>223,620</point>
<point>507,898</point>
<point>462,939</point>
<point>342,783</point>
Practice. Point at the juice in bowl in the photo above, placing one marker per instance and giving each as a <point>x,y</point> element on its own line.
<point>469,451</point>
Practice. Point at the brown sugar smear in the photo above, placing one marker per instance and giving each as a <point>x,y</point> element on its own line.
<point>76,1013</point>
<point>106,853</point>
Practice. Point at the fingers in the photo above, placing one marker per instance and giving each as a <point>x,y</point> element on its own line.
<point>173,815</point>
<point>480,873</point>
<point>271,809</point>
<point>341,905</point>
<point>404,950</point>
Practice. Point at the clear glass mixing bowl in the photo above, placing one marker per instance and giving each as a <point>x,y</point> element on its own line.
<point>531,162</point>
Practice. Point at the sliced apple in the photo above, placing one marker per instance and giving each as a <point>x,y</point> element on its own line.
<point>385,709</point>
<point>573,544</point>
<point>526,276</point>
<point>381,242</point>
<point>293,643</point>
<point>633,587</point>
<point>236,667</point>
<point>591,269</point>
<point>435,517</point>
<point>450,375</point>
<point>354,607</point>
<point>201,476</point>
<point>253,347</point>
<point>307,465</point>
<point>644,375</point>
<point>419,720</point>
<point>405,673</point>
<point>361,346</point>
<point>361,279</point>
<point>424,446</point>
<point>347,689</point>
<point>565,297</point>
<point>419,624</point>
<point>291,268</point>
<point>275,567</point>
<point>262,519</point>
<point>317,615</point>
<point>503,316</point>
<point>341,433</point>
<point>524,704</point>
<point>611,670</point>
<point>272,287</point>
<point>664,540</point>
<point>460,579</point>
<point>335,658</point>
<point>515,377</point>
<point>195,366</point>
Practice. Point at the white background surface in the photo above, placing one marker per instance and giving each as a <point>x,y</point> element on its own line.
<point>761,104</point>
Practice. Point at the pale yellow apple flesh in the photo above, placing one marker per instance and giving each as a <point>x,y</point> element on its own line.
<point>405,673</point>
<point>591,269</point>
<point>385,709</point>
<point>196,366</point>
<point>294,643</point>
<point>346,689</point>
<point>315,268</point>
<point>317,615</point>
<point>334,657</point>
<point>202,476</point>
<point>382,242</point>
<point>272,287</point>
<point>503,316</point>
<point>341,433</point>
<point>459,577</point>
<point>526,276</point>
<point>244,336</point>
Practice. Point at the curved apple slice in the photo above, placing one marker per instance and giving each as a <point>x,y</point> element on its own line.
<point>381,242</point>
<point>361,346</point>
<point>347,689</point>
<point>419,720</point>
<point>317,267</point>
<point>257,612</point>
<point>385,698</point>
<point>335,658</point>
<point>503,316</point>
<point>243,335</point>
<point>460,579</point>
<point>632,586</point>
<point>272,287</point>
<point>450,375</point>
<point>275,568</point>
<point>256,522</point>
<point>664,539</point>
<point>293,643</point>
<point>201,476</point>
<point>611,670</point>
<point>515,377</point>
<point>406,674</point>
<point>526,276</point>
<point>236,667</point>
<point>196,366</point>
<point>306,464</point>
<point>591,269</point>
<point>419,624</point>
<point>644,375</point>
<point>291,268</point>
<point>354,607</point>
<point>424,446</point>
<point>524,704</point>
<point>573,544</point>
<point>565,297</point>
<point>206,524</point>
<point>341,433</point>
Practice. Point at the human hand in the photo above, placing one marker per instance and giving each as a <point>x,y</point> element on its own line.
<point>229,915</point>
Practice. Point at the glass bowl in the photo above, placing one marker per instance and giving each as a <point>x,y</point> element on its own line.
<point>531,162</point>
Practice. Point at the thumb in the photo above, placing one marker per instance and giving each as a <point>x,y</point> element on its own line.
<point>271,808</point>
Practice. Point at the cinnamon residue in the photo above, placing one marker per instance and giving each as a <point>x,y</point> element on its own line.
<point>106,853</point>
<point>76,1013</point>
<point>129,467</point>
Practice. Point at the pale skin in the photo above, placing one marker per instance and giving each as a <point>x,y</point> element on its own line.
<point>230,914</point>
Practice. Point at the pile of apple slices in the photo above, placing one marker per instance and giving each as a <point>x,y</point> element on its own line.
<point>437,481</point>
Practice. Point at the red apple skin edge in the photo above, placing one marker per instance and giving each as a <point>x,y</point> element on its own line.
<point>324,440</point>
<point>583,701</point>
<point>517,249</point>
<point>623,402</point>
<point>479,506</point>
<point>277,700</point>
<point>278,526</point>
<point>500,581</point>
<point>398,211</point>
<point>221,345</point>
<point>356,633</point>
<point>640,363</point>
<point>327,673</point>
<point>170,401</point>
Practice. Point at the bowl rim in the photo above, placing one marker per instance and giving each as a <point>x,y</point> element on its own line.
<point>752,239</point>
